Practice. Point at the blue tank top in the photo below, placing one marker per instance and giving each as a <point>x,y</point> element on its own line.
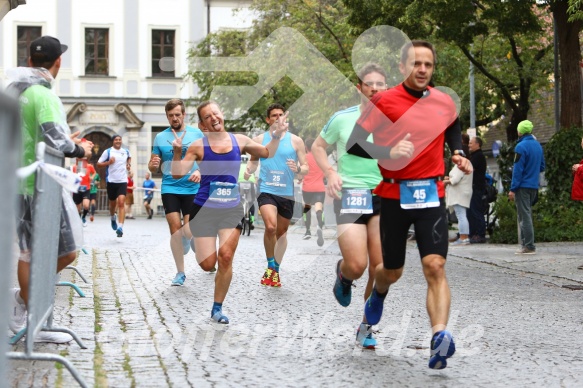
<point>219,173</point>
<point>275,176</point>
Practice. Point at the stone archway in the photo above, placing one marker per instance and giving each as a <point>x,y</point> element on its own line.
<point>101,138</point>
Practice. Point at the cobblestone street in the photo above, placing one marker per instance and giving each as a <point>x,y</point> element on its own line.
<point>513,322</point>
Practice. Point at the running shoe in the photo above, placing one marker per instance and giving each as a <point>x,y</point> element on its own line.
<point>91,218</point>
<point>307,235</point>
<point>320,236</point>
<point>275,281</point>
<point>185,245</point>
<point>54,337</point>
<point>459,241</point>
<point>373,308</point>
<point>442,348</point>
<point>179,279</point>
<point>342,292</point>
<point>119,232</point>
<point>364,336</point>
<point>266,279</point>
<point>114,222</point>
<point>219,317</point>
<point>17,318</point>
<point>84,221</point>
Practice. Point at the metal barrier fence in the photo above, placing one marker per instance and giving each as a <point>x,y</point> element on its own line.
<point>43,265</point>
<point>9,129</point>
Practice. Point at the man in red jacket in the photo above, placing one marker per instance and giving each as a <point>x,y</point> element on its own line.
<point>577,190</point>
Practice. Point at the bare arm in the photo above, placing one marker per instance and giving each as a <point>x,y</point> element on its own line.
<point>334,180</point>
<point>106,163</point>
<point>301,151</point>
<point>181,167</point>
<point>154,163</point>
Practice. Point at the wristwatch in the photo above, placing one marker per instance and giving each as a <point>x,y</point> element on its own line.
<point>274,136</point>
<point>460,153</point>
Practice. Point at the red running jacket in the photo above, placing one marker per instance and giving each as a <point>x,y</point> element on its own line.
<point>577,190</point>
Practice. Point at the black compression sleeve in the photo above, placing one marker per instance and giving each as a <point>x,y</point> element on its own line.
<point>79,152</point>
<point>358,145</point>
<point>453,136</point>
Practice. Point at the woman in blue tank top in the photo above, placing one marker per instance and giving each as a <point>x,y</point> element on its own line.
<point>217,210</point>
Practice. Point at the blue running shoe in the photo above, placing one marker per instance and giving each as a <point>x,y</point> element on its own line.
<point>373,308</point>
<point>442,348</point>
<point>185,245</point>
<point>364,336</point>
<point>114,222</point>
<point>217,316</point>
<point>179,279</point>
<point>342,292</point>
<point>119,232</point>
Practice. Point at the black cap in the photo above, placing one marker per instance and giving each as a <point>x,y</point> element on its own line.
<point>48,47</point>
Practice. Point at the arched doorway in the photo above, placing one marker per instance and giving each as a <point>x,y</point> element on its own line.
<point>101,142</point>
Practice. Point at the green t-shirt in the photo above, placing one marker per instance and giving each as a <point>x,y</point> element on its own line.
<point>356,172</point>
<point>242,174</point>
<point>95,184</point>
<point>38,105</point>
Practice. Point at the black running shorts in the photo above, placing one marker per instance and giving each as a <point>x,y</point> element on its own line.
<point>431,231</point>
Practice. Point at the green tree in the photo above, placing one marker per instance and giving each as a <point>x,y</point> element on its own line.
<point>322,22</point>
<point>575,10</point>
<point>507,41</point>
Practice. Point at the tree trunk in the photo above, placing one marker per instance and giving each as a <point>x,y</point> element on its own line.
<point>570,59</point>
<point>511,130</point>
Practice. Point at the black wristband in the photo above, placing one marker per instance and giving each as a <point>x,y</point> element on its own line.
<point>78,152</point>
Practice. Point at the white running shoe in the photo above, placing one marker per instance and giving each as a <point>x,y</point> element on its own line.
<point>54,337</point>
<point>17,319</point>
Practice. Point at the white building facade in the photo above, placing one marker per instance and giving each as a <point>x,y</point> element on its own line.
<point>110,80</point>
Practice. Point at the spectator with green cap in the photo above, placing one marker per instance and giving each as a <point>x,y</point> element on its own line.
<point>529,162</point>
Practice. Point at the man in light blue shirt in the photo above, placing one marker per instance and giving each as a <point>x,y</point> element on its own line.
<point>177,194</point>
<point>148,195</point>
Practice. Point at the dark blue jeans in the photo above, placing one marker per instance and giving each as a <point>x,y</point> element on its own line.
<point>476,214</point>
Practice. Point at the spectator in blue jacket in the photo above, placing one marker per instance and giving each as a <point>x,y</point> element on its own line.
<point>529,162</point>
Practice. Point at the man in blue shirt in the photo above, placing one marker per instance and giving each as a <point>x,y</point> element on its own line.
<point>276,185</point>
<point>177,194</point>
<point>529,162</point>
<point>148,195</point>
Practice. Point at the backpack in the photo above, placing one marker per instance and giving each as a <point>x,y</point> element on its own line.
<point>491,193</point>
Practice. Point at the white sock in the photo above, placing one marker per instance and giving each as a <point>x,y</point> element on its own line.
<point>120,225</point>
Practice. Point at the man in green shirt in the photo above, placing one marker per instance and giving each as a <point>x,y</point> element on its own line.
<point>43,119</point>
<point>95,179</point>
<point>357,209</point>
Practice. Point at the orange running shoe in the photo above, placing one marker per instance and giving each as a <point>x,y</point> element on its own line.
<point>275,282</point>
<point>266,279</point>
